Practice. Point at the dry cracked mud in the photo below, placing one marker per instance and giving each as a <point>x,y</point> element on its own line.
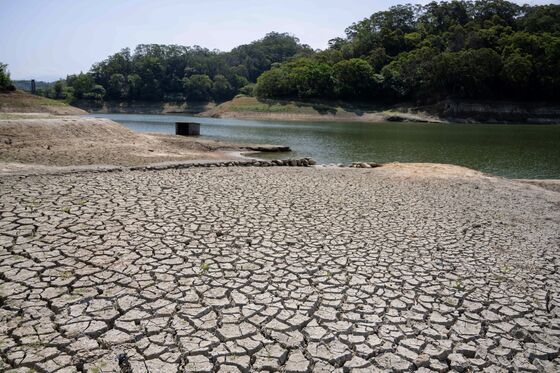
<point>277,269</point>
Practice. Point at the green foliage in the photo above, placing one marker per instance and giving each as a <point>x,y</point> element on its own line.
<point>117,86</point>
<point>98,92</point>
<point>198,87</point>
<point>490,49</point>
<point>172,72</point>
<point>355,78</point>
<point>5,81</point>
<point>275,83</point>
<point>221,89</point>
<point>248,89</point>
<point>82,85</point>
<point>312,79</point>
<point>59,89</point>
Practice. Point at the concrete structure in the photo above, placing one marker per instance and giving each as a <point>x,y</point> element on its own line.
<point>187,129</point>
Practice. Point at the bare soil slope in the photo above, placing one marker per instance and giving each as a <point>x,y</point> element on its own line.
<point>22,102</point>
<point>71,141</point>
<point>243,107</point>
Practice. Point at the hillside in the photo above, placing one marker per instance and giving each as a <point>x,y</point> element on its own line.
<point>22,102</point>
<point>462,50</point>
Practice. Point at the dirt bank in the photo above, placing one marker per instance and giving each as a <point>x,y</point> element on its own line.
<point>75,141</point>
<point>145,107</point>
<point>471,111</point>
<point>243,107</point>
<point>22,102</point>
<point>448,111</point>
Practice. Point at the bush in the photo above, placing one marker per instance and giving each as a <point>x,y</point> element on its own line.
<point>248,90</point>
<point>5,81</point>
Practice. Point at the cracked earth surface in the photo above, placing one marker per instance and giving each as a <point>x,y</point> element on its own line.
<point>292,270</point>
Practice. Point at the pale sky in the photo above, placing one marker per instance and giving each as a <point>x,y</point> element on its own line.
<point>48,39</point>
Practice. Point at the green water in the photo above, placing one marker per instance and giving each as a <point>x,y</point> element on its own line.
<point>515,151</point>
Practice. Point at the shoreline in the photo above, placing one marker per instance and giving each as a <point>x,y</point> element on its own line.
<point>447,111</point>
<point>243,159</point>
<point>68,144</point>
<point>246,107</point>
<point>308,118</point>
<point>76,141</point>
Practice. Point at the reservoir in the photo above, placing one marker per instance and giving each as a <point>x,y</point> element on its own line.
<point>513,151</point>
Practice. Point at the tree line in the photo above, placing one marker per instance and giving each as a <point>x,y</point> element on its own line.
<point>487,49</point>
<point>154,72</point>
<point>483,49</point>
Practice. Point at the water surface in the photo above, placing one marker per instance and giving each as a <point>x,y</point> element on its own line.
<point>515,151</point>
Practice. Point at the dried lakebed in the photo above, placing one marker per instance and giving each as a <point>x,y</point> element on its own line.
<point>288,269</point>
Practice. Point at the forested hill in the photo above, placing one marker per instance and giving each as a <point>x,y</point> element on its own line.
<point>175,73</point>
<point>487,49</point>
<point>460,49</point>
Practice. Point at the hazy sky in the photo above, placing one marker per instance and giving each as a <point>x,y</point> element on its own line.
<point>47,39</point>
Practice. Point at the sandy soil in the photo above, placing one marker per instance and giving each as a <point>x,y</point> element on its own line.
<point>450,171</point>
<point>76,141</point>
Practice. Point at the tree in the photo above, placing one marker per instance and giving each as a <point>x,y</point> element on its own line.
<point>248,90</point>
<point>275,83</point>
<point>198,87</point>
<point>313,79</point>
<point>258,56</point>
<point>473,73</point>
<point>222,89</point>
<point>517,71</point>
<point>117,86</point>
<point>134,83</point>
<point>59,89</point>
<point>5,81</point>
<point>539,19</point>
<point>82,84</point>
<point>98,91</point>
<point>410,73</point>
<point>354,78</point>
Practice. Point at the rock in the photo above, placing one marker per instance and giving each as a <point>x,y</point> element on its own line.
<point>394,118</point>
<point>199,364</point>
<point>393,362</point>
<point>458,362</point>
<point>297,363</point>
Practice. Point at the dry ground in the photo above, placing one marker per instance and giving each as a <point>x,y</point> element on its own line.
<point>22,102</point>
<point>29,140</point>
<point>398,268</point>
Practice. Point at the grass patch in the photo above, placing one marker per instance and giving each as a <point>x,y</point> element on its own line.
<point>19,100</point>
<point>248,104</point>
